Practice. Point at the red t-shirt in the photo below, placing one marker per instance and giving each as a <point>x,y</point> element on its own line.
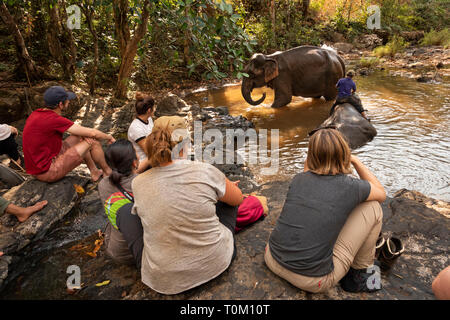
<point>42,139</point>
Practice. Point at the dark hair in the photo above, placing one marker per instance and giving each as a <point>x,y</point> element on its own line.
<point>120,156</point>
<point>143,103</point>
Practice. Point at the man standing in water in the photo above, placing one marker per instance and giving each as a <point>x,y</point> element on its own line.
<point>346,89</point>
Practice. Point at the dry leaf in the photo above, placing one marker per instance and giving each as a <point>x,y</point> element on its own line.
<point>104,283</point>
<point>79,189</point>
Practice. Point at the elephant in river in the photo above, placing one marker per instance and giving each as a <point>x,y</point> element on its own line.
<point>347,120</point>
<point>306,71</point>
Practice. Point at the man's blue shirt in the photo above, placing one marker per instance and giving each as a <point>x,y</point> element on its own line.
<point>345,86</point>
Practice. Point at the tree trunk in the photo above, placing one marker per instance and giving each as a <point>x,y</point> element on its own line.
<point>305,7</point>
<point>187,35</point>
<point>89,12</point>
<point>26,63</point>
<point>60,42</point>
<point>272,17</point>
<point>128,45</point>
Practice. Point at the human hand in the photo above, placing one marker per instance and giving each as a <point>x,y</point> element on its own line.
<point>111,139</point>
<point>236,183</point>
<point>354,159</point>
<point>14,130</point>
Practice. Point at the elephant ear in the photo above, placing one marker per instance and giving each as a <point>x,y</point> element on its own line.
<point>270,70</point>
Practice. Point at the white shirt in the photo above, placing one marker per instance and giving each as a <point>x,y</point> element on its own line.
<point>139,130</point>
<point>5,131</point>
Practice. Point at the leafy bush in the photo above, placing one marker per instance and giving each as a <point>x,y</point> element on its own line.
<point>396,45</point>
<point>436,38</point>
<point>368,62</point>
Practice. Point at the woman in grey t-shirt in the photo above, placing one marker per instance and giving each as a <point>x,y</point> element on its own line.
<point>330,221</point>
<point>188,211</point>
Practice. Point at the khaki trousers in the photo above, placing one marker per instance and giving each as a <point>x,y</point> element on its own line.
<point>355,247</point>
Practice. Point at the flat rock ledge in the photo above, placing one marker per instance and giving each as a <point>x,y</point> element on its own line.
<point>15,236</point>
<point>420,222</point>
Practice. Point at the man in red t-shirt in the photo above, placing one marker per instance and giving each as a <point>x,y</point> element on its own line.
<point>47,156</point>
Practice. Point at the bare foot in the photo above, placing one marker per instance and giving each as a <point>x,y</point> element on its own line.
<point>95,176</point>
<point>28,211</point>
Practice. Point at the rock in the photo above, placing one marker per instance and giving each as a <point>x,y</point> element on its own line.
<point>368,41</point>
<point>424,79</point>
<point>418,52</point>
<point>61,196</point>
<point>11,108</point>
<point>9,178</point>
<point>363,72</point>
<point>222,110</point>
<point>343,47</point>
<point>170,105</point>
<point>415,65</point>
<point>408,216</point>
<point>412,36</point>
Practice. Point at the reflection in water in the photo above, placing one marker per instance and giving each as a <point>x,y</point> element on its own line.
<point>412,149</point>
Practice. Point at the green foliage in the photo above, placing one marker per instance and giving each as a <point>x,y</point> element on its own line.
<point>437,38</point>
<point>396,45</point>
<point>368,62</point>
<point>204,36</point>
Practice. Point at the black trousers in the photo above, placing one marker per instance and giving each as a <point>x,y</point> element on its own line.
<point>9,147</point>
<point>353,100</point>
<point>227,216</point>
<point>131,227</point>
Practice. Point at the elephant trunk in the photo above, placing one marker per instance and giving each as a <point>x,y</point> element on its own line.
<point>246,89</point>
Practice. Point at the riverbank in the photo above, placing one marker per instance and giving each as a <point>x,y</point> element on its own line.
<point>37,270</point>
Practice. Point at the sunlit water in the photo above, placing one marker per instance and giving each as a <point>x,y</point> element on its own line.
<point>411,150</point>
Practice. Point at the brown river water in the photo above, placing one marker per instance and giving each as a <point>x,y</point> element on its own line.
<point>411,150</point>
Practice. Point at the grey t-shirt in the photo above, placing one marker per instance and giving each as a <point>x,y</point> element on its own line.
<point>185,244</point>
<point>314,213</point>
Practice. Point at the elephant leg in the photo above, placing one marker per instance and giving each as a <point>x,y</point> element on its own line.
<point>283,96</point>
<point>330,96</point>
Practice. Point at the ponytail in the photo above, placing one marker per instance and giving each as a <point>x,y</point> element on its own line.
<point>120,156</point>
<point>159,146</point>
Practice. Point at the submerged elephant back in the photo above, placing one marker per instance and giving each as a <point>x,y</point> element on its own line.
<point>357,130</point>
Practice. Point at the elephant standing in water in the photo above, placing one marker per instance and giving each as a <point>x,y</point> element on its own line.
<point>306,71</point>
<point>356,129</point>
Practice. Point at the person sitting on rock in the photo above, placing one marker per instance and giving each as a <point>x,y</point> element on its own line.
<point>441,285</point>
<point>141,127</point>
<point>47,156</point>
<point>123,235</point>
<point>328,228</point>
<point>21,213</point>
<point>346,94</point>
<point>8,143</point>
<point>188,211</point>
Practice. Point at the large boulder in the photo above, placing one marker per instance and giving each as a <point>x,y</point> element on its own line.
<point>343,47</point>
<point>14,236</point>
<point>368,41</point>
<point>419,221</point>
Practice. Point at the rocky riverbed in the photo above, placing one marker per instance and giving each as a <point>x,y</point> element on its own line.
<point>38,252</point>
